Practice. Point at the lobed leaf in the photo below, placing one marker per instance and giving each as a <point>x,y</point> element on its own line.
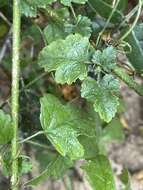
<point>106,59</point>
<point>103,95</point>
<point>57,125</point>
<point>66,57</point>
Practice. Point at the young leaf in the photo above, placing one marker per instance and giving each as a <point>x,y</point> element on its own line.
<point>103,95</point>
<point>68,2</point>
<point>55,169</point>
<point>107,58</point>
<point>67,57</point>
<point>81,26</point>
<point>6,130</point>
<point>99,173</point>
<point>57,125</point>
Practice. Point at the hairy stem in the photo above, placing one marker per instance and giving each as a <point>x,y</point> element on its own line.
<point>128,80</point>
<point>15,91</point>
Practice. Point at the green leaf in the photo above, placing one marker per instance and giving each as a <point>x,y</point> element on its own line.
<point>65,141</point>
<point>29,7</point>
<point>67,57</point>
<point>53,113</point>
<point>121,6</point>
<point>28,10</point>
<point>104,10</point>
<point>138,31</point>
<point>68,73</point>
<point>68,2</point>
<point>55,169</point>
<point>99,173</point>
<point>81,26</point>
<point>6,130</point>
<point>55,28</point>
<point>125,178</point>
<point>136,55</point>
<point>53,32</point>
<point>103,95</point>
<point>82,120</point>
<point>107,58</point>
<point>113,131</point>
<point>90,146</point>
<point>58,128</point>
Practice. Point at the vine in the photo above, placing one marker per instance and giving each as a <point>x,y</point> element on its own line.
<point>79,43</point>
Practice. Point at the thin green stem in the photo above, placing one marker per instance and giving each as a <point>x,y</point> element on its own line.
<point>128,16</point>
<point>15,91</point>
<point>108,20</point>
<point>73,12</point>
<point>39,145</point>
<point>32,136</point>
<point>135,21</point>
<point>35,80</point>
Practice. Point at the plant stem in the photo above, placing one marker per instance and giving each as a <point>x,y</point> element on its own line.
<point>15,91</point>
<point>32,136</point>
<point>128,80</point>
<point>135,21</point>
<point>39,145</point>
<point>107,22</point>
